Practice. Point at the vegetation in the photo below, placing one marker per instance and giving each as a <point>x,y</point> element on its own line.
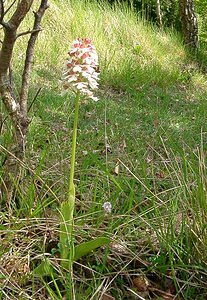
<point>141,147</point>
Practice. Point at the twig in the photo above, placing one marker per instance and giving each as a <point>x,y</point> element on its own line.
<point>28,32</point>
<point>35,97</point>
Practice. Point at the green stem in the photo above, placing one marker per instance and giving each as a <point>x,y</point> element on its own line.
<point>67,211</point>
<point>75,125</point>
<point>71,195</point>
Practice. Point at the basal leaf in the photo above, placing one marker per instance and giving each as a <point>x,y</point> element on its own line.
<point>87,247</point>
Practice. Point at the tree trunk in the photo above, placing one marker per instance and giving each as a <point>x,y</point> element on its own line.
<point>158,13</point>
<point>189,23</point>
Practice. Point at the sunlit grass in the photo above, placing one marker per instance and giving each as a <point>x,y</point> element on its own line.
<point>116,32</point>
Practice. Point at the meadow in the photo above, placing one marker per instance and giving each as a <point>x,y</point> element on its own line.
<point>141,147</point>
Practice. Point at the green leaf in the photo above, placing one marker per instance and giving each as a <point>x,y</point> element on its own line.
<point>44,269</point>
<point>87,247</point>
<point>137,49</point>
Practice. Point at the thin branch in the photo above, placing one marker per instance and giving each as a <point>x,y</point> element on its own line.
<point>35,98</point>
<point>8,9</point>
<point>21,10</point>
<point>28,32</point>
<point>1,11</point>
<point>29,56</point>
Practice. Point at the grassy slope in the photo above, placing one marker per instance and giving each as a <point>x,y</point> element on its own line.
<point>141,147</point>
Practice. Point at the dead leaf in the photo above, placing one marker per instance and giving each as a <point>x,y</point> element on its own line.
<point>141,283</point>
<point>116,169</point>
<point>156,122</point>
<point>118,248</point>
<point>160,175</point>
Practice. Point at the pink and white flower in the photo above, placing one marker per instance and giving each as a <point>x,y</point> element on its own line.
<point>81,68</point>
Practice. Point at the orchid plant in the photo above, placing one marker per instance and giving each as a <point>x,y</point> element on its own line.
<point>80,76</point>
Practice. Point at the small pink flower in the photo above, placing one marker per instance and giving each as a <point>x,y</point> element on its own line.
<point>81,68</point>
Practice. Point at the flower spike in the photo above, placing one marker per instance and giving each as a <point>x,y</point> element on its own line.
<point>81,67</point>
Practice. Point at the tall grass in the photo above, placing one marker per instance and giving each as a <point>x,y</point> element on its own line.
<point>116,32</point>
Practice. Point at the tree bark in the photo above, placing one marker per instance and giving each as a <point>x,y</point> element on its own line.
<point>189,23</point>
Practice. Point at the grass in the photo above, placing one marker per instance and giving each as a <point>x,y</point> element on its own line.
<point>142,147</point>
